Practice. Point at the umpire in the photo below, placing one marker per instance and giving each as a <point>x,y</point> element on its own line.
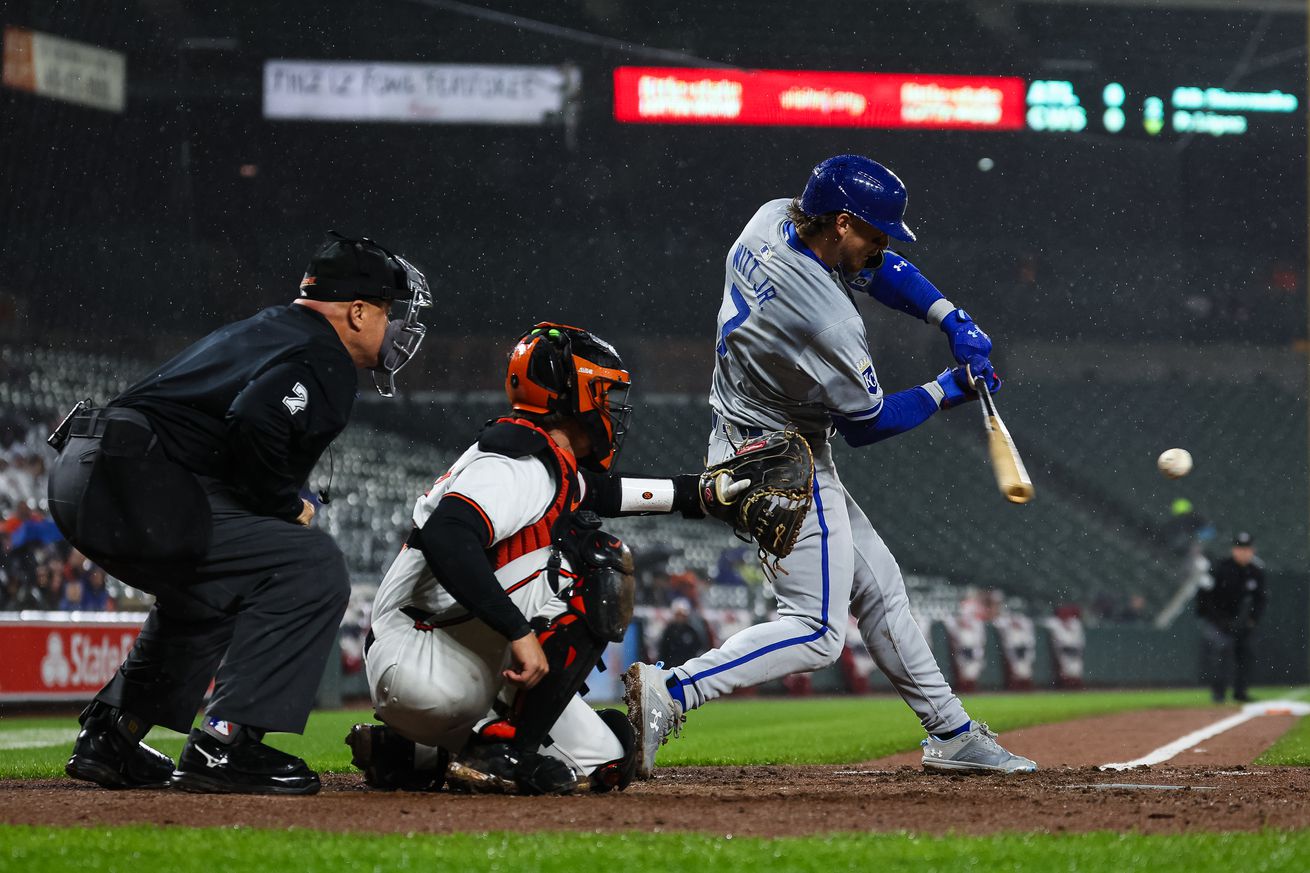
<point>188,485</point>
<point>1229,609</point>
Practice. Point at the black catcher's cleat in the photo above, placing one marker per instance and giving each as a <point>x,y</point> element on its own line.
<point>245,766</point>
<point>387,760</point>
<point>499,768</point>
<point>109,752</point>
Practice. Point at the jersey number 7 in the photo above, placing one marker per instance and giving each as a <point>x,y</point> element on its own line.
<point>736,321</point>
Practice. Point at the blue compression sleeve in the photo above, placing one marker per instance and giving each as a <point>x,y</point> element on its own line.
<point>902,411</point>
<point>899,285</point>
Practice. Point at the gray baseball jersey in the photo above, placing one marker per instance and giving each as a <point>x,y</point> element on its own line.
<point>791,344</point>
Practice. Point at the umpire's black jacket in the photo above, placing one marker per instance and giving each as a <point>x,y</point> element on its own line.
<point>253,404</point>
<point>187,486</point>
<point>1236,601</point>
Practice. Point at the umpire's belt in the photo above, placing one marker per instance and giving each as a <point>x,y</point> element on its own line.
<point>122,432</point>
<point>738,432</point>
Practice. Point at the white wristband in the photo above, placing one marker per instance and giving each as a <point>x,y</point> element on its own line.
<point>935,391</point>
<point>646,495</point>
<point>939,311</point>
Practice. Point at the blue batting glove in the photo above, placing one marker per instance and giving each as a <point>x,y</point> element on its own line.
<point>957,389</point>
<point>968,341</point>
<point>980,366</point>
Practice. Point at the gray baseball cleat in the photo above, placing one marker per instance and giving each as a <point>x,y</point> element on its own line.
<point>652,712</point>
<point>974,751</point>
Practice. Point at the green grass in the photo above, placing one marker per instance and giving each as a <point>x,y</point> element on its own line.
<point>758,731</point>
<point>1293,749</point>
<point>182,850</point>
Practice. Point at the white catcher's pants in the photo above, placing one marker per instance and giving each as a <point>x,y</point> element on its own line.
<point>435,686</point>
<point>840,565</point>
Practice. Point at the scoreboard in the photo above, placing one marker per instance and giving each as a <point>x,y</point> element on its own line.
<point>1117,107</point>
<point>1121,107</point>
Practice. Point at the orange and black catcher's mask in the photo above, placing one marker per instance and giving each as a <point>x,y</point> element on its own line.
<point>556,369</point>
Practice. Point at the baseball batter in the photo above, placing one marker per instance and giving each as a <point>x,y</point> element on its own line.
<point>489,621</point>
<point>792,352</point>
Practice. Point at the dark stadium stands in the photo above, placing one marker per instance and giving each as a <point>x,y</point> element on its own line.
<point>1094,531</point>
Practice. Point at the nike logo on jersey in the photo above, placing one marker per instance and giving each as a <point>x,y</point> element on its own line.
<point>297,400</point>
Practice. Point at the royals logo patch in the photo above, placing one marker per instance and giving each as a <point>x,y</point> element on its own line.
<point>870,380</point>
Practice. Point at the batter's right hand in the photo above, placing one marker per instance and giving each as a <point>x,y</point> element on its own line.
<point>529,665</point>
<point>306,513</point>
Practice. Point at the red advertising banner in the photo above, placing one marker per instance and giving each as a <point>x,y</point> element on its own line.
<point>682,95</point>
<point>62,660</point>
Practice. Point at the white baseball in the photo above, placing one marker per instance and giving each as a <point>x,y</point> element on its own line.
<point>1175,463</point>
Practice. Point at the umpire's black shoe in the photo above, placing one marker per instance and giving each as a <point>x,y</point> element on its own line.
<point>387,760</point>
<point>109,753</point>
<point>499,768</point>
<point>244,766</point>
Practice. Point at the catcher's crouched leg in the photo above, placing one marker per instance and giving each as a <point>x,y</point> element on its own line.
<point>598,609</point>
<point>616,775</point>
<point>391,762</point>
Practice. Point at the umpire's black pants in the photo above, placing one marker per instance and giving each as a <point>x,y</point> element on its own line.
<point>1226,655</point>
<point>257,613</point>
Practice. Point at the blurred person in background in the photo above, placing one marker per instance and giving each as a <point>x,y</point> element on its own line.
<point>1185,535</point>
<point>47,588</point>
<point>681,640</point>
<point>71,600</point>
<point>15,594</point>
<point>187,485</point>
<point>1230,603</point>
<point>95,594</point>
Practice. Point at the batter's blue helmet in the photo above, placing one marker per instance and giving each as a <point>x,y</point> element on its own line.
<point>862,187</point>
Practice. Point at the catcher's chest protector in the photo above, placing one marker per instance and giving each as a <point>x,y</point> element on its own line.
<point>517,438</point>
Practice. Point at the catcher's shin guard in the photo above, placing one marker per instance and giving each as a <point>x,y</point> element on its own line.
<point>599,607</point>
<point>617,774</point>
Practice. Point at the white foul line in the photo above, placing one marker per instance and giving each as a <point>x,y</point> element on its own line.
<point>1195,738</point>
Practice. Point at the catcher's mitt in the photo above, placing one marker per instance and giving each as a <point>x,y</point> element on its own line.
<point>764,491</point>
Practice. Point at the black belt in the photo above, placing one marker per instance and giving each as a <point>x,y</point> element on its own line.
<point>123,432</point>
<point>422,621</point>
<point>735,432</point>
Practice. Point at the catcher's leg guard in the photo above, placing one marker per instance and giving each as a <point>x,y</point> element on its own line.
<point>599,607</point>
<point>391,762</point>
<point>616,774</point>
<point>486,766</point>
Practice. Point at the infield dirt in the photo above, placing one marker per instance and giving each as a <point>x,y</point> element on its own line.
<point>1211,788</point>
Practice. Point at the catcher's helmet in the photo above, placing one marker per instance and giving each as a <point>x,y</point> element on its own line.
<point>862,187</point>
<point>558,369</point>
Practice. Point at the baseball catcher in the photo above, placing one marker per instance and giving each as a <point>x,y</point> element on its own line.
<point>508,589</point>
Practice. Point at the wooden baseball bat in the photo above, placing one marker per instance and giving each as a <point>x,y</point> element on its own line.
<point>1011,475</point>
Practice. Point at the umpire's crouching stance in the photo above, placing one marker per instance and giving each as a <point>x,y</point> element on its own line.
<point>188,486</point>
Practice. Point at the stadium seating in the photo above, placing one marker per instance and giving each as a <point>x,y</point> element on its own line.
<point>1092,532</point>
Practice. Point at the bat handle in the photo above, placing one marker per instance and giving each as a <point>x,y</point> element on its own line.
<point>984,394</point>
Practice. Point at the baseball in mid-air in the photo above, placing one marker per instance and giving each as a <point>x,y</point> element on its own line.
<point>1175,463</point>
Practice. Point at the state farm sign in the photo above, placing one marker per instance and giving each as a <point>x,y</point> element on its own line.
<point>62,660</point>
